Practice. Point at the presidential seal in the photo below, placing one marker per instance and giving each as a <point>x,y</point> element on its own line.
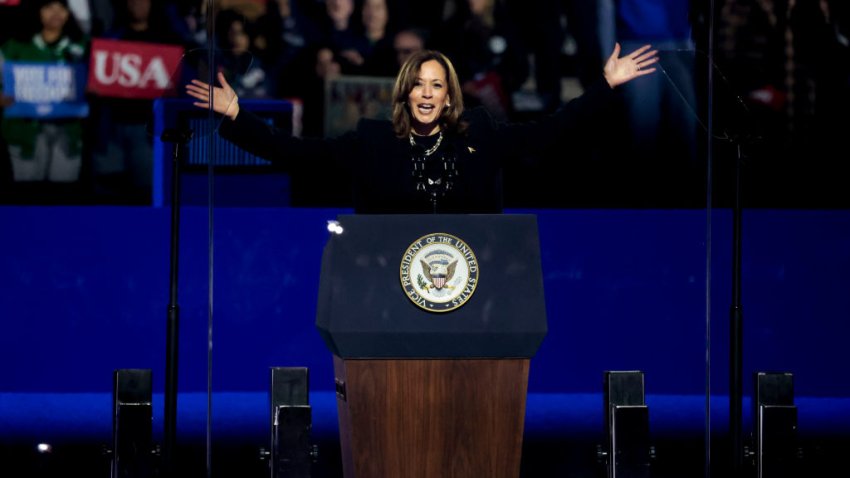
<point>439,272</point>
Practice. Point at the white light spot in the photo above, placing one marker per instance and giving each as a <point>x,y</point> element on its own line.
<point>334,227</point>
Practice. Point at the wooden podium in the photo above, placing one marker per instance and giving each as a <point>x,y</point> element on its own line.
<point>423,393</point>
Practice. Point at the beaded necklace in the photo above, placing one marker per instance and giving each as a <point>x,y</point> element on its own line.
<point>433,176</point>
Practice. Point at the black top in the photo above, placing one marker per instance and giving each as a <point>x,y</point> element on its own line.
<point>382,166</point>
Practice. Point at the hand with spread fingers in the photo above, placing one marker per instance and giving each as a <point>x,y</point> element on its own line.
<point>619,70</point>
<point>225,100</point>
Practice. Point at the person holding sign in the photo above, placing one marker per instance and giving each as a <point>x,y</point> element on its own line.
<point>433,156</point>
<point>45,139</point>
<point>132,64</point>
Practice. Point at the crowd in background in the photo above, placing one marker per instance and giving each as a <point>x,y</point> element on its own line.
<point>788,59</point>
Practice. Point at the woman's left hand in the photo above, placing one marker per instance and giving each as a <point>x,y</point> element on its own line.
<point>224,98</point>
<point>619,70</point>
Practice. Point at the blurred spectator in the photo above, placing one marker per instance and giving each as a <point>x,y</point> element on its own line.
<point>286,40</point>
<point>10,24</point>
<point>661,108</point>
<point>123,152</point>
<point>341,37</point>
<point>407,42</point>
<point>782,57</point>
<point>340,50</point>
<point>45,149</point>
<point>407,14</point>
<point>487,52</point>
<point>94,16</point>
<point>326,66</point>
<point>188,20</point>
<point>244,70</point>
<point>564,38</point>
<point>375,21</point>
<point>790,61</point>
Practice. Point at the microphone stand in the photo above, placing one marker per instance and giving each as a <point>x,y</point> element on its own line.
<point>736,312</point>
<point>741,131</point>
<point>178,136</point>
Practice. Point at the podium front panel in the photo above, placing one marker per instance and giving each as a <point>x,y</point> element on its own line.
<point>364,311</point>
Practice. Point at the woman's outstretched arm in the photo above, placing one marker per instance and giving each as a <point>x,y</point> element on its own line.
<point>253,134</point>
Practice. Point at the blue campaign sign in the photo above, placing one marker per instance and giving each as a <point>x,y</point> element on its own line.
<point>45,90</point>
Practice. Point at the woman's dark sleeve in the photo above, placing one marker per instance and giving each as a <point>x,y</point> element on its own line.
<point>572,122</point>
<point>290,153</point>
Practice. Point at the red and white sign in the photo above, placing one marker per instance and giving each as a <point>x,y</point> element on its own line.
<point>125,69</point>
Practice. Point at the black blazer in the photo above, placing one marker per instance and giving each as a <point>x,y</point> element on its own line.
<point>380,165</point>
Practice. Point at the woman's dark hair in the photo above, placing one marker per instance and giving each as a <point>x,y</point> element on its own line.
<point>406,80</point>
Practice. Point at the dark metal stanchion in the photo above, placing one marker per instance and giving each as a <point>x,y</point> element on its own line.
<point>775,452</point>
<point>132,452</point>
<point>178,136</point>
<point>627,452</point>
<point>291,454</point>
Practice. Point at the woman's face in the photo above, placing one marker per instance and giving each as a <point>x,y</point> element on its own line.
<point>428,98</point>
<point>53,16</point>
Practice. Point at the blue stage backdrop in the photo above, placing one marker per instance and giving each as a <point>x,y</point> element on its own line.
<point>84,290</point>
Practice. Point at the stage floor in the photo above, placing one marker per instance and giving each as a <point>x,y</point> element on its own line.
<point>561,434</point>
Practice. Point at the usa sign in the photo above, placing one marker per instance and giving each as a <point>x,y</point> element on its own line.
<point>125,69</point>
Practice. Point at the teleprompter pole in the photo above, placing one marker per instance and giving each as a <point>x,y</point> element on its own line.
<point>178,136</point>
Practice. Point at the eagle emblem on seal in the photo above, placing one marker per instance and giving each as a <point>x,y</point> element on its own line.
<point>437,269</point>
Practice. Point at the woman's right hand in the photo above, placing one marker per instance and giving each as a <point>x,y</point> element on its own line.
<point>224,98</point>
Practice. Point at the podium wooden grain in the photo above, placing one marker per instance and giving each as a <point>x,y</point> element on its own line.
<point>447,418</point>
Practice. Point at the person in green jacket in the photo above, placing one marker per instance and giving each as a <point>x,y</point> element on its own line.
<point>45,149</point>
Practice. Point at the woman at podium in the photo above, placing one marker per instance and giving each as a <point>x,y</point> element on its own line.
<point>433,156</point>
